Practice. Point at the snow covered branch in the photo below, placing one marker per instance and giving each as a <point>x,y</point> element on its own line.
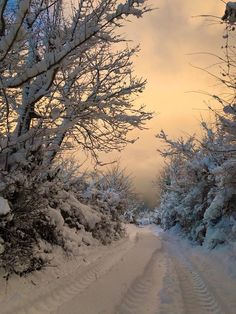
<point>64,79</point>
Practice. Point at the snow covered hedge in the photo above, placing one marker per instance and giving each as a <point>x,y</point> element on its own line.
<point>198,188</point>
<point>40,211</point>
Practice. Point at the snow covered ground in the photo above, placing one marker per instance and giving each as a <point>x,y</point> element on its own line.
<point>224,255</point>
<point>147,272</point>
<point>197,280</point>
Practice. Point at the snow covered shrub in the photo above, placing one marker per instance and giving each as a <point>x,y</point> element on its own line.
<point>185,185</point>
<point>198,191</point>
<point>28,222</point>
<point>111,192</point>
<point>96,202</point>
<point>108,230</point>
<point>39,210</point>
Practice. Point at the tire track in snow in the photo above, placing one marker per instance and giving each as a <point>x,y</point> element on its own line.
<point>197,295</point>
<point>73,284</point>
<point>171,295</point>
<point>142,295</point>
<point>222,285</point>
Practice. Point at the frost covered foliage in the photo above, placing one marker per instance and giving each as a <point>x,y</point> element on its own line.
<point>26,222</point>
<point>111,193</point>
<point>39,212</point>
<point>198,188</point>
<point>198,191</point>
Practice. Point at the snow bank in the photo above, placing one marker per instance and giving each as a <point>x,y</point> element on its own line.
<point>87,216</point>
<point>56,218</point>
<point>49,214</point>
<point>4,207</point>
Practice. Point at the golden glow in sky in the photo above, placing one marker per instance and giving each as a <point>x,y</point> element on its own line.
<point>171,38</point>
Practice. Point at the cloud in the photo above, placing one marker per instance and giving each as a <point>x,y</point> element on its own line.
<point>171,32</point>
<point>167,37</point>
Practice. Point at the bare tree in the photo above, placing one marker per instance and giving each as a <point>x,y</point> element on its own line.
<point>66,78</point>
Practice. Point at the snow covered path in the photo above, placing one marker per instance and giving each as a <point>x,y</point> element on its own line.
<point>140,274</point>
<point>195,282</point>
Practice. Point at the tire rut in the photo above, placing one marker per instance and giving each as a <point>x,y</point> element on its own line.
<point>72,285</point>
<point>196,294</point>
<point>141,294</point>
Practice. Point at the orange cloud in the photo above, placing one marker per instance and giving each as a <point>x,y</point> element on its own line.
<point>169,38</point>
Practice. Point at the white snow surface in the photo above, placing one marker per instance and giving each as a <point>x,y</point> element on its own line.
<point>140,274</point>
<point>85,212</point>
<point>56,218</point>
<point>223,256</point>
<point>4,207</point>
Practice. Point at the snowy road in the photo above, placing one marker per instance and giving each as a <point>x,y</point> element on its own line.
<point>139,275</point>
<point>195,283</point>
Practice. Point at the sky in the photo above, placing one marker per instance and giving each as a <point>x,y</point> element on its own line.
<point>171,38</point>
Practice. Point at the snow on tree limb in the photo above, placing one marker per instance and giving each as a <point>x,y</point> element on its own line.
<point>62,81</point>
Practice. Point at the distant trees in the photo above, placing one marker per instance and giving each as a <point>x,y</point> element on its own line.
<point>198,189</point>
<point>65,79</point>
<point>111,191</point>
